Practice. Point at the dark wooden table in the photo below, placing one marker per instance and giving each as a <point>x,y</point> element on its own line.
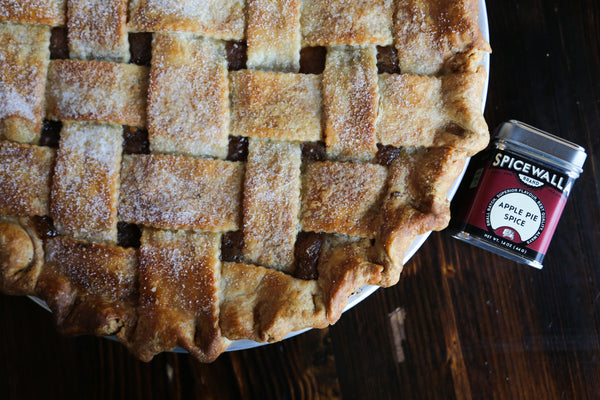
<point>462,323</point>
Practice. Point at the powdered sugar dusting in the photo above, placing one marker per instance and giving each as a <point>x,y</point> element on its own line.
<point>342,197</point>
<point>23,61</point>
<point>45,12</point>
<point>24,179</point>
<point>181,192</point>
<point>188,273</point>
<point>276,105</point>
<point>188,109</point>
<point>94,269</point>
<point>97,91</point>
<point>84,196</point>
<point>15,103</point>
<point>97,30</point>
<point>422,111</point>
<point>271,203</point>
<point>273,35</point>
<point>436,37</point>
<point>223,19</point>
<point>350,102</point>
<point>348,22</point>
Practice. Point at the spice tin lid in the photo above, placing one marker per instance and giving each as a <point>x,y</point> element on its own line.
<point>559,150</point>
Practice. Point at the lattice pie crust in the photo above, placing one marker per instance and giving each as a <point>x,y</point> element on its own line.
<point>188,173</point>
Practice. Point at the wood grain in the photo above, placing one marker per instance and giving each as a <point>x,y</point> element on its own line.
<point>474,326</point>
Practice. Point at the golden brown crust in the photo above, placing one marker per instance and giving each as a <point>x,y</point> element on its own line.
<point>99,316</point>
<point>342,197</point>
<point>97,30</point>
<point>346,22</point>
<point>428,111</point>
<point>344,267</point>
<point>269,196</point>
<point>273,35</point>
<point>91,288</point>
<point>265,305</point>
<point>25,176</point>
<point>188,111</point>
<point>97,91</point>
<point>176,192</point>
<point>21,255</point>
<point>271,203</point>
<point>350,100</point>
<point>438,36</point>
<point>222,19</point>
<point>24,54</point>
<point>416,202</point>
<point>179,299</point>
<point>275,105</point>
<point>42,12</point>
<point>86,181</point>
<point>463,92</point>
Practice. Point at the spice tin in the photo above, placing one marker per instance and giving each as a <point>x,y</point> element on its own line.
<point>512,200</point>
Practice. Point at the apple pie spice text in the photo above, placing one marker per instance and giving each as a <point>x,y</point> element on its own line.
<point>517,192</point>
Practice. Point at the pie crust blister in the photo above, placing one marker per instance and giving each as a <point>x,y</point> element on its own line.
<point>258,164</point>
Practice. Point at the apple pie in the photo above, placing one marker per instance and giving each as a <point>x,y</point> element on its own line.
<point>180,173</point>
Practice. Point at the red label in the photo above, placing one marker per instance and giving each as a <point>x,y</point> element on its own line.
<point>518,203</point>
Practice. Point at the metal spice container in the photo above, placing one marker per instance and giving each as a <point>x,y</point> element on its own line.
<point>512,202</point>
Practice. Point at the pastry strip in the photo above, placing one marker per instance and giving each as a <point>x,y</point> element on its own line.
<point>342,197</point>
<point>97,91</point>
<point>273,35</point>
<point>222,19</point>
<point>24,59</point>
<point>179,294</point>
<point>188,107</point>
<point>176,192</point>
<point>271,203</point>
<point>86,181</point>
<point>350,100</point>
<point>350,22</point>
<point>25,176</point>
<point>98,30</point>
<point>275,105</point>
<point>42,12</point>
